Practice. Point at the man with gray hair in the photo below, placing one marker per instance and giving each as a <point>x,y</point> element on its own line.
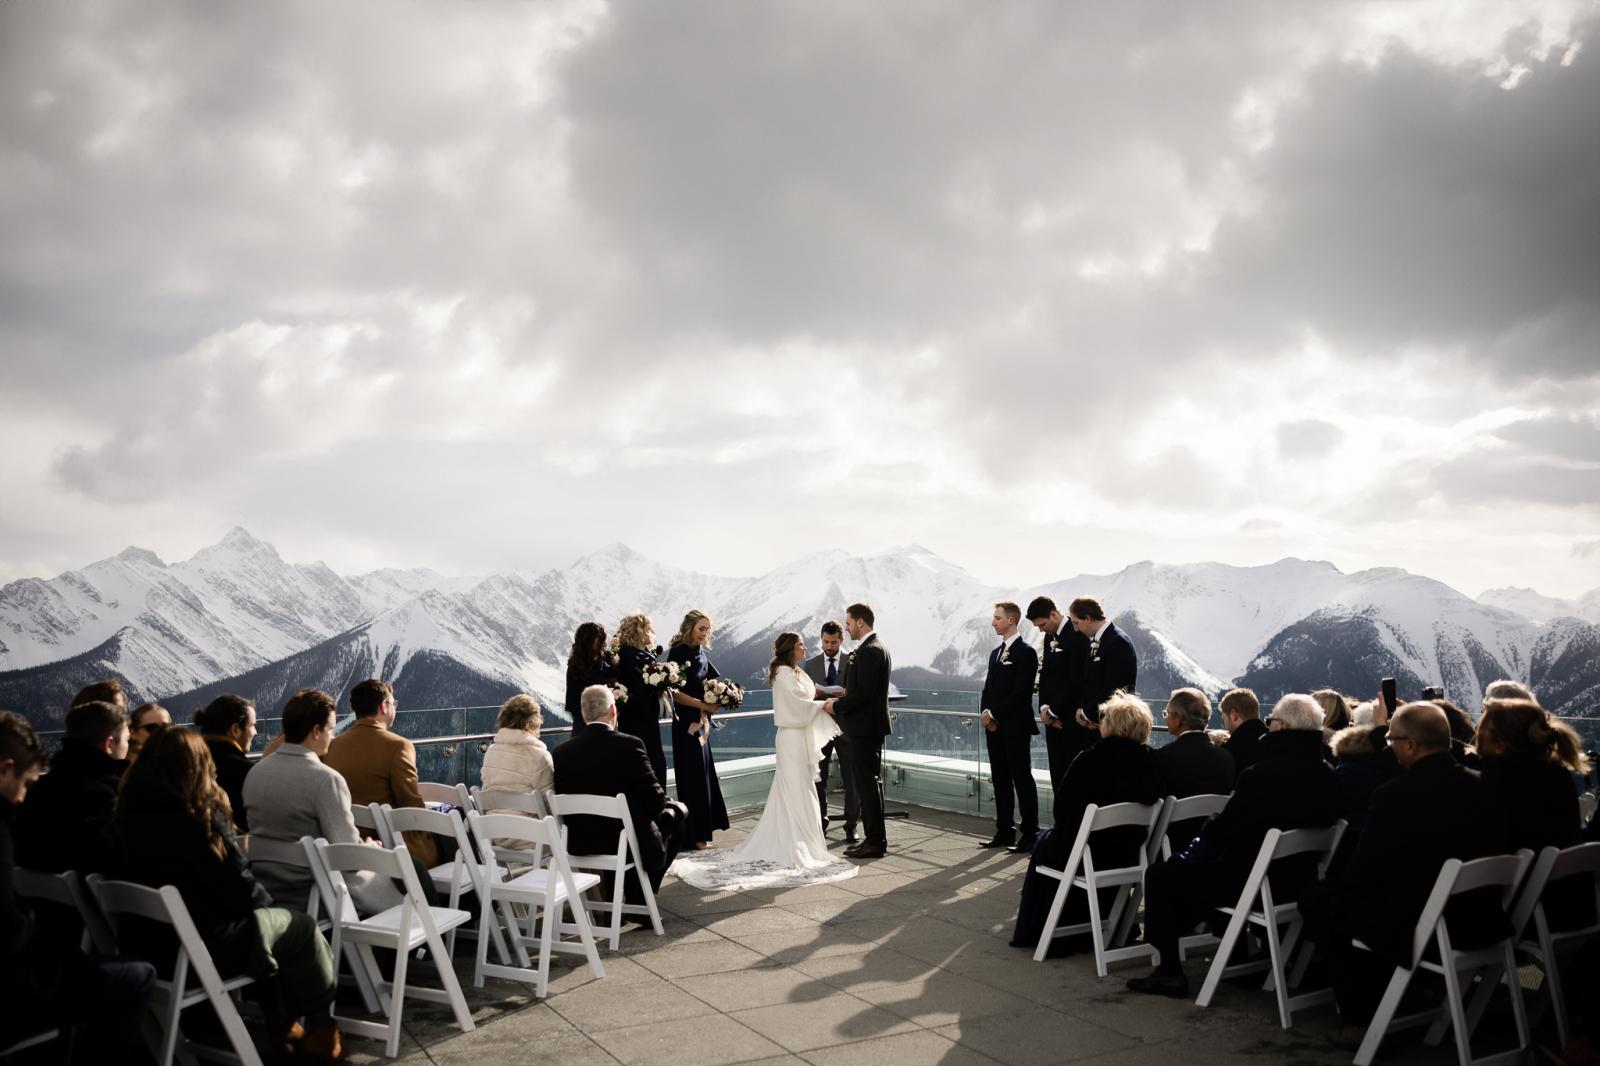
<point>1288,787</point>
<point>599,761</point>
<point>1191,765</point>
<point>1435,811</point>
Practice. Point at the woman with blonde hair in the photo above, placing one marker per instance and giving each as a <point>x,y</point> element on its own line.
<point>1120,768</point>
<point>693,767</point>
<point>517,760</point>
<point>786,848</point>
<point>641,713</point>
<point>175,827</point>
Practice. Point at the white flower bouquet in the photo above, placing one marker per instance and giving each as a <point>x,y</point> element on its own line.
<point>724,693</point>
<point>619,692</point>
<point>662,675</point>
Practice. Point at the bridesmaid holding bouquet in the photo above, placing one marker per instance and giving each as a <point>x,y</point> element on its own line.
<point>692,762</point>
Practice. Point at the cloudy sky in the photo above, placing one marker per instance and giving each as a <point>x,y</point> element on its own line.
<point>1048,288</point>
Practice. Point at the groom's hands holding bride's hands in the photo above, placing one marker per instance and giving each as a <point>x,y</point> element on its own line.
<point>827,707</point>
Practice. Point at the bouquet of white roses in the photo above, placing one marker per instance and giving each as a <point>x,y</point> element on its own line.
<point>662,675</point>
<point>724,693</point>
<point>611,654</point>
<point>619,692</point>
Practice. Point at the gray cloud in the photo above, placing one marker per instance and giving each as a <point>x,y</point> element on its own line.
<point>1587,549</point>
<point>467,261</point>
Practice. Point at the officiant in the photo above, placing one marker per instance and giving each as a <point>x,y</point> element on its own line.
<point>827,670</point>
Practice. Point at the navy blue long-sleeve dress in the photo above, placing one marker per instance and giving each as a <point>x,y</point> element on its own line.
<point>641,714</point>
<point>692,762</point>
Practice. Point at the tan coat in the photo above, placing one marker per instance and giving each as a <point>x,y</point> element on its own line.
<point>381,767</point>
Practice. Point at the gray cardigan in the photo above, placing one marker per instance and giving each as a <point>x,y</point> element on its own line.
<point>291,794</point>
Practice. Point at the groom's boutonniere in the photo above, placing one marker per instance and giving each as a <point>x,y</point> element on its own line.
<point>850,660</point>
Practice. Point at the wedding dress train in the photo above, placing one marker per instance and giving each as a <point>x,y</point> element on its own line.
<point>786,848</point>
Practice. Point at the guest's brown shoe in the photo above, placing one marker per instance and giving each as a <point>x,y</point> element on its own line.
<point>323,1043</point>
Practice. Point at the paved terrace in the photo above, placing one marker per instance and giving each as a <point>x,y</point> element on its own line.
<point>905,963</point>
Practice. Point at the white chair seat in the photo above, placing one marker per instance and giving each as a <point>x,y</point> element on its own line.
<point>383,927</point>
<point>451,875</point>
<point>534,882</point>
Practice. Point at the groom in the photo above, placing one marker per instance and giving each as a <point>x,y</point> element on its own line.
<point>862,714</point>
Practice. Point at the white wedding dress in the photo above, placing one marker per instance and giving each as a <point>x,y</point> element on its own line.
<point>786,848</point>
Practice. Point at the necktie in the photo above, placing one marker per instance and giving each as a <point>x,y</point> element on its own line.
<point>833,671</point>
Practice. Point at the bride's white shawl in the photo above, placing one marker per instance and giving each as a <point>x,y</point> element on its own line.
<point>795,706</point>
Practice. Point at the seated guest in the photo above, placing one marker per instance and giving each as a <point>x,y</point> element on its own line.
<point>1191,765</point>
<point>1361,761</point>
<point>1287,787</point>
<point>1462,733</point>
<point>1528,759</point>
<point>380,766</point>
<point>1335,711</point>
<point>1508,690</point>
<point>1435,810</point>
<point>517,760</point>
<point>1121,768</point>
<point>600,761</point>
<point>143,720</point>
<point>291,794</point>
<point>176,829</point>
<point>1241,713</point>
<point>45,982</point>
<point>66,824</point>
<point>228,724</point>
<point>108,691</point>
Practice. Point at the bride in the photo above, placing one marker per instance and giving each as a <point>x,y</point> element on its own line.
<point>786,848</point>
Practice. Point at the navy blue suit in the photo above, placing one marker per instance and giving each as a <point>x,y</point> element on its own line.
<point>1061,675</point>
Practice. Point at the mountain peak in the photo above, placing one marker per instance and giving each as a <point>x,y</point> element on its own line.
<point>239,537</point>
<point>133,554</point>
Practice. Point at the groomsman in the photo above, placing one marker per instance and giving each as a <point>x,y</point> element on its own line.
<point>827,670</point>
<point>1113,665</point>
<point>863,714</point>
<point>1008,717</point>
<point>1062,662</point>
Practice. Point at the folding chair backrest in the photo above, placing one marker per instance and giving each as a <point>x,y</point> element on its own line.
<point>1301,841</point>
<point>1175,810</point>
<point>67,891</point>
<point>527,802</point>
<point>1533,888</point>
<point>434,792</point>
<point>1456,877</point>
<point>369,817</point>
<point>450,824</point>
<point>492,832</point>
<point>568,804</point>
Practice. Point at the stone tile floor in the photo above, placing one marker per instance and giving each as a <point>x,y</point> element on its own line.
<point>905,964</point>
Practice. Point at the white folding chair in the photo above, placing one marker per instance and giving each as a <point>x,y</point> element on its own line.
<point>1552,949</point>
<point>1080,872</point>
<point>1256,907</point>
<point>121,899</point>
<point>1455,877</point>
<point>369,818</point>
<point>449,878</point>
<point>271,850</point>
<point>626,858</point>
<point>67,891</point>
<point>1173,812</point>
<point>403,928</point>
<point>543,892</point>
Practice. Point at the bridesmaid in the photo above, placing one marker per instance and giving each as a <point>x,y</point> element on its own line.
<point>692,763</point>
<point>641,714</point>
<point>586,666</point>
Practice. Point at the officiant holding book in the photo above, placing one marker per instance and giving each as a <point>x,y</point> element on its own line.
<point>827,670</point>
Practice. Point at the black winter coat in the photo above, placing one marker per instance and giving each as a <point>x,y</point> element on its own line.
<point>1116,770</point>
<point>66,821</point>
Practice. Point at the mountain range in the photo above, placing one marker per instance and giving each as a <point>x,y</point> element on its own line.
<point>237,617</point>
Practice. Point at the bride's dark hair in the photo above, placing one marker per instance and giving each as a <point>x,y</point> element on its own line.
<point>782,653</point>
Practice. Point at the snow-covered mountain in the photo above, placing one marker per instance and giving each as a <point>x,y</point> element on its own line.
<point>237,617</point>
<point>1540,608</point>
